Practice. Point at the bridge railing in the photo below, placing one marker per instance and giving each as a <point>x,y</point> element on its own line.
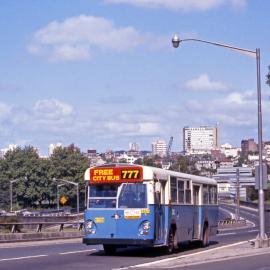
<point>16,227</point>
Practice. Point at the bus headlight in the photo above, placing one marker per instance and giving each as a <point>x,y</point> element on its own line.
<point>91,226</point>
<point>144,228</point>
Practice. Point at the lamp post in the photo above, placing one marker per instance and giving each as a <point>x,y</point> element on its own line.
<point>11,191</point>
<point>77,187</point>
<point>58,186</point>
<point>253,53</point>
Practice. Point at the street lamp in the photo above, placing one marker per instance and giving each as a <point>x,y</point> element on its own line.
<point>262,238</point>
<point>11,191</point>
<point>57,192</point>
<point>77,187</point>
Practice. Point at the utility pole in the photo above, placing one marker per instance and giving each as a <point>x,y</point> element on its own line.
<point>237,193</point>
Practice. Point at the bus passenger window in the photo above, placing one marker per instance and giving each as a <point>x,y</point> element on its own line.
<point>173,190</point>
<point>205,194</point>
<point>213,195</point>
<point>181,191</point>
<point>188,192</point>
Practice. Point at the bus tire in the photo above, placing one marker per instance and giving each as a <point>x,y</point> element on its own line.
<point>109,249</point>
<point>205,239</point>
<point>169,249</point>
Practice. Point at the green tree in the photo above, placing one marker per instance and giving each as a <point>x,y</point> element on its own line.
<point>24,165</point>
<point>68,163</point>
<point>153,161</point>
<point>184,164</point>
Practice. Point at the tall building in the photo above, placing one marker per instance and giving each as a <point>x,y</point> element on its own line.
<point>159,148</point>
<point>200,140</point>
<point>134,147</point>
<point>248,145</point>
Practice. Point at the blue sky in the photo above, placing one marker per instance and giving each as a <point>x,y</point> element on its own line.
<point>103,73</point>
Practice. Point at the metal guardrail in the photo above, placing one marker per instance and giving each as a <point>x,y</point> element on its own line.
<point>231,222</point>
<point>14,227</point>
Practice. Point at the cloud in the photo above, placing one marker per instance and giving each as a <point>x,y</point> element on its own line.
<point>77,38</point>
<point>5,110</point>
<point>200,5</point>
<point>203,83</point>
<point>50,120</point>
<point>237,109</point>
<point>52,109</point>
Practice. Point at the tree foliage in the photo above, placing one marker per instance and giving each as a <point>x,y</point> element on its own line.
<point>34,183</point>
<point>185,165</point>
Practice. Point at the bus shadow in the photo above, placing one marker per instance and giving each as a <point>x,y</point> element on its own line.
<point>149,252</point>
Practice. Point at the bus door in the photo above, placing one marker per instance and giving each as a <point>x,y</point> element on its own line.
<point>196,202</point>
<point>102,202</point>
<point>159,212</point>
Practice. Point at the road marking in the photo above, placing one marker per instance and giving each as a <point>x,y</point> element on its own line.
<point>184,256</point>
<point>253,231</point>
<point>225,210</point>
<point>76,251</point>
<point>222,234</point>
<point>22,258</point>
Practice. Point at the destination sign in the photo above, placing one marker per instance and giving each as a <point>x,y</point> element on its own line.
<point>116,175</point>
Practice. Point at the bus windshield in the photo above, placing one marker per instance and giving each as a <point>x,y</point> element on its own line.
<point>132,196</point>
<point>105,196</point>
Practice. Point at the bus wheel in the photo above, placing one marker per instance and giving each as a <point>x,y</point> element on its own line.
<point>109,249</point>
<point>205,240</point>
<point>170,247</point>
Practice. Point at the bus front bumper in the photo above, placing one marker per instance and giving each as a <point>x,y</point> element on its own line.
<point>124,242</point>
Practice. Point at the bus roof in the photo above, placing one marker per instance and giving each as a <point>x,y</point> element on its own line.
<point>150,173</point>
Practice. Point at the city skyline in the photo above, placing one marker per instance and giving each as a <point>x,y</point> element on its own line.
<point>95,75</point>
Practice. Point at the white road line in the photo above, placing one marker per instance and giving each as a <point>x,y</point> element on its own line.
<point>76,251</point>
<point>222,234</point>
<point>225,210</point>
<point>253,231</point>
<point>185,256</point>
<point>22,258</point>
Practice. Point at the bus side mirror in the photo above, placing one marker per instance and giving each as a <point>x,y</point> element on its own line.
<point>157,187</point>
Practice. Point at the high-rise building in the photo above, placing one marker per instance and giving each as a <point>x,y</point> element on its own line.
<point>159,148</point>
<point>200,140</point>
<point>248,145</point>
<point>134,147</point>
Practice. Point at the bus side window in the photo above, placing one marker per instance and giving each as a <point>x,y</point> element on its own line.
<point>188,192</point>
<point>173,190</point>
<point>213,195</point>
<point>181,191</point>
<point>205,194</point>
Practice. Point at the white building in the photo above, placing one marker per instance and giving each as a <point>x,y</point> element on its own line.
<point>53,146</point>
<point>229,151</point>
<point>134,147</point>
<point>127,158</point>
<point>159,148</point>
<point>200,140</point>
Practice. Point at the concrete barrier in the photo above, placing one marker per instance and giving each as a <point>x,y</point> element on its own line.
<point>22,237</point>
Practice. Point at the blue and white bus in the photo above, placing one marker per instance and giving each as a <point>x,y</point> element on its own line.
<point>133,205</point>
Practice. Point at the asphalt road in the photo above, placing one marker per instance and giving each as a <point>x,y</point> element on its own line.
<point>71,254</point>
